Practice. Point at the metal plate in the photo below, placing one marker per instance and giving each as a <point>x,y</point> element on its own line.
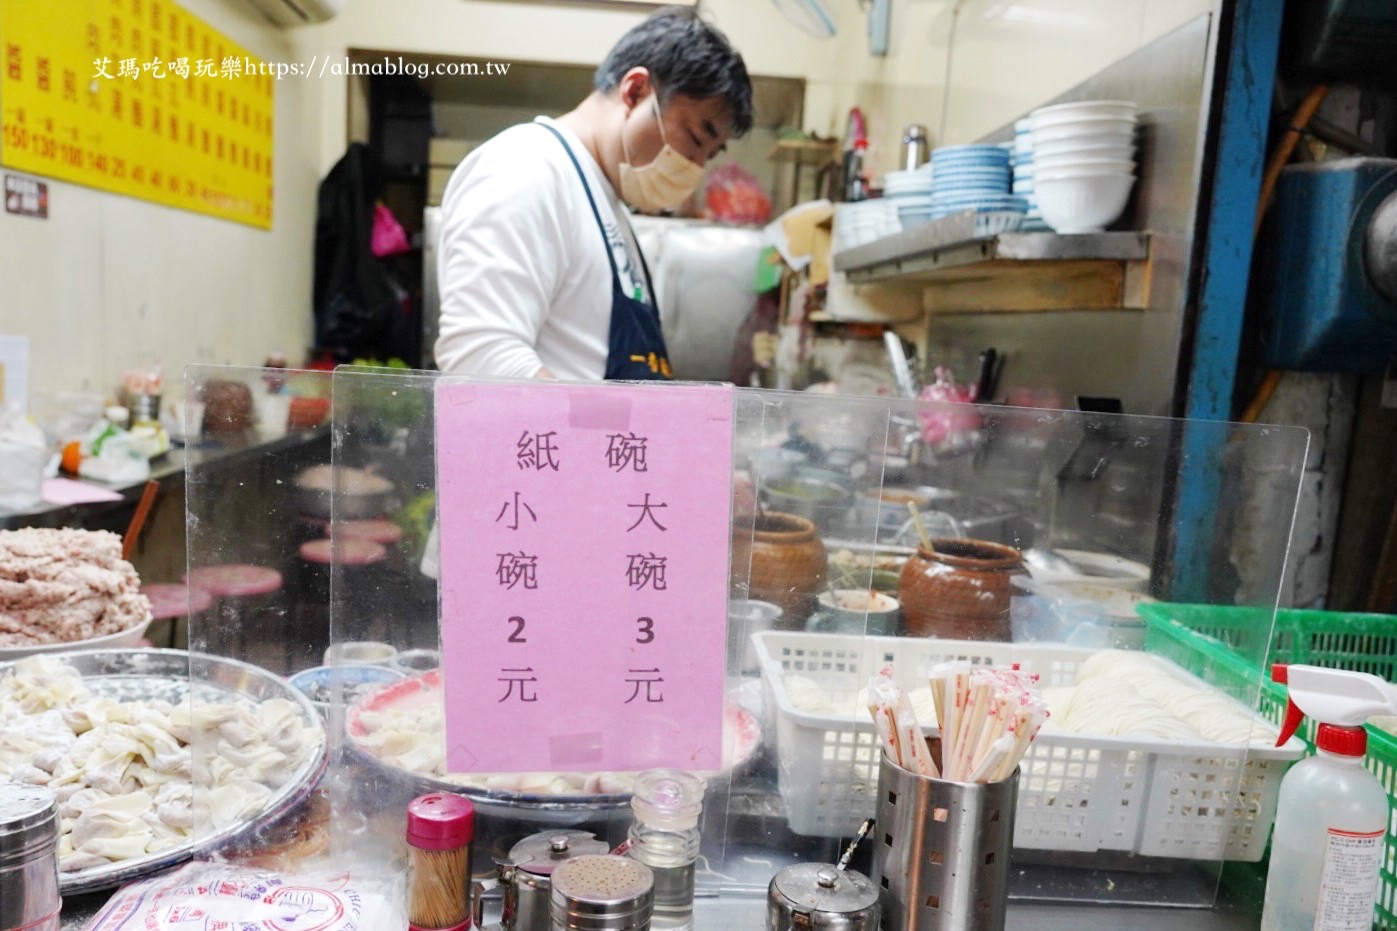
<point>549,809</point>
<point>169,675</point>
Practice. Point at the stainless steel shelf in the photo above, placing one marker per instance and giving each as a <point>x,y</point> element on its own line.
<point>960,273</point>
<point>951,243</point>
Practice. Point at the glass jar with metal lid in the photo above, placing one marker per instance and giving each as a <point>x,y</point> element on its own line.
<point>28,859</point>
<point>816,895</point>
<point>527,876</point>
<point>602,893</point>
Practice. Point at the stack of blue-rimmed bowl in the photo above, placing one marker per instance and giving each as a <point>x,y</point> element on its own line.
<point>911,192</point>
<point>975,177</point>
<point>1022,161</point>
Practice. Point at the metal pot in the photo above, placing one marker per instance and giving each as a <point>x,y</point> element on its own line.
<point>816,895</point>
<point>317,502</point>
<point>528,876</point>
<point>814,499</point>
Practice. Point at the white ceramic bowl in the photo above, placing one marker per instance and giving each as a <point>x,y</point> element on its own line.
<point>1080,128</point>
<point>1116,109</point>
<point>1124,166</point>
<point>122,639</point>
<point>1083,204</point>
<point>1084,171</point>
<point>1083,144</point>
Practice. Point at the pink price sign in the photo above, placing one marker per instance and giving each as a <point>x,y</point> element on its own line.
<point>584,574</point>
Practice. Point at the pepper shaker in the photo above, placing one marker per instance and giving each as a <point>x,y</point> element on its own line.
<point>28,859</point>
<point>602,893</point>
<point>818,896</point>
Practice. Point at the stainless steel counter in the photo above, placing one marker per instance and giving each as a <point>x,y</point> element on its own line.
<point>227,449</point>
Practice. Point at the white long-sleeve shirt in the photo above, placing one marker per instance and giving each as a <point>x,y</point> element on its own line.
<point>523,275</point>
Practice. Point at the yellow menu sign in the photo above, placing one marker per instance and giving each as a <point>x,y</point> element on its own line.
<point>137,97</point>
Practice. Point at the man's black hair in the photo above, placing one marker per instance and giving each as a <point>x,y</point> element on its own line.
<point>685,55</point>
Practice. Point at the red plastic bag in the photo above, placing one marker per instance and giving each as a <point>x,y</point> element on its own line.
<point>734,195</point>
<point>388,237</point>
<point>943,424</point>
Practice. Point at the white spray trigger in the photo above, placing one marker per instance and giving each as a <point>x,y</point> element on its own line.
<point>1339,696</point>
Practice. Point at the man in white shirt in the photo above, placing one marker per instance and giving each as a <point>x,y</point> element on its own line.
<point>540,274</point>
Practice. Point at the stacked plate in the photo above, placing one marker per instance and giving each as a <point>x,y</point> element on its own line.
<point>864,221</point>
<point>1022,185</point>
<point>975,177</point>
<point>911,192</point>
<point>1083,157</point>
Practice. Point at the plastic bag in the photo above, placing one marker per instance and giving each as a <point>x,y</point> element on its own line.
<point>210,896</point>
<point>388,237</point>
<point>23,454</point>
<point>114,456</point>
<point>734,195</point>
<point>941,426</point>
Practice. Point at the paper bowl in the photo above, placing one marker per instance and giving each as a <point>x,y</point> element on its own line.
<point>122,639</point>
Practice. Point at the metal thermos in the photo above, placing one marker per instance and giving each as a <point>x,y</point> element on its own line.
<point>527,878</point>
<point>915,147</point>
<point>818,896</point>
<point>28,859</point>
<point>602,893</point>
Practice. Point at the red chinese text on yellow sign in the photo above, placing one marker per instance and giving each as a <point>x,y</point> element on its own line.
<point>137,97</point>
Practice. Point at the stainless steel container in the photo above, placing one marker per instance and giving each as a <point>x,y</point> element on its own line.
<point>602,893</point>
<point>528,877</point>
<point>28,859</point>
<point>816,895</point>
<point>942,851</point>
<point>914,146</point>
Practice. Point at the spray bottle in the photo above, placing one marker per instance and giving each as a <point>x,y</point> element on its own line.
<point>1331,818</point>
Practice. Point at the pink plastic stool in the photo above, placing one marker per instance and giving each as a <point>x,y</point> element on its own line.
<point>346,551</point>
<point>359,566</point>
<point>250,614</point>
<point>375,531</point>
<point>170,600</point>
<point>235,580</point>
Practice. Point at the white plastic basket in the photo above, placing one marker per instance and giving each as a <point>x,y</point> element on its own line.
<point>1201,801</point>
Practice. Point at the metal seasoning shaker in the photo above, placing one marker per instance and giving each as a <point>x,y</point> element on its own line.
<point>527,877</point>
<point>816,895</point>
<point>602,893</point>
<point>914,146</point>
<point>28,859</point>
<point>664,835</point>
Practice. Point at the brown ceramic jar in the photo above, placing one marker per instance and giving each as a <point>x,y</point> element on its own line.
<point>788,564</point>
<point>961,591</point>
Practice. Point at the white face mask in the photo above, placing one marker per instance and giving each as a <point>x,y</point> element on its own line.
<point>665,182</point>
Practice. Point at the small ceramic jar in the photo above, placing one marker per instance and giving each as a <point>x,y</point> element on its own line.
<point>959,591</point>
<point>788,564</point>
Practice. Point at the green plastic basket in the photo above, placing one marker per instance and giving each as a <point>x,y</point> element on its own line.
<point>1223,646</point>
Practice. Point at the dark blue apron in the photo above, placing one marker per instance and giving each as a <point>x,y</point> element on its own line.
<point>635,346</point>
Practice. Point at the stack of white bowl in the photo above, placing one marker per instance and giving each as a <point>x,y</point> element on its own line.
<point>1083,163</point>
<point>1021,158</point>
<point>911,192</point>
<point>864,221</point>
<point>975,177</point>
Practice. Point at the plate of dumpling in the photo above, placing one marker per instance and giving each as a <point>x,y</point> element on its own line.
<point>401,727</point>
<point>155,755</point>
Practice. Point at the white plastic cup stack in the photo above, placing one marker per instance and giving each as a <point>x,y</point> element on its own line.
<point>1083,157</point>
